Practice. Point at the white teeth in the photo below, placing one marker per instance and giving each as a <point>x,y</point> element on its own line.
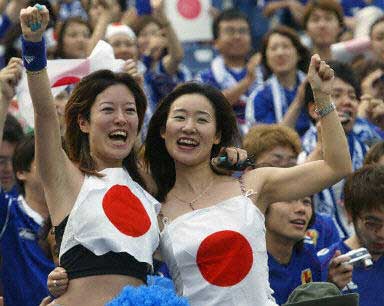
<point>119,133</point>
<point>301,222</point>
<point>187,141</point>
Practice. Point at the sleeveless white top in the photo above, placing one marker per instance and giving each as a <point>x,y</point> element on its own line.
<point>113,213</point>
<point>217,255</point>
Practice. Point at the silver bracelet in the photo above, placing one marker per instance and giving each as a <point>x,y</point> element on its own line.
<point>322,112</point>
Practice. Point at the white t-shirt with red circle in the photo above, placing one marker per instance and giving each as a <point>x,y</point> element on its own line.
<point>113,213</point>
<point>217,255</point>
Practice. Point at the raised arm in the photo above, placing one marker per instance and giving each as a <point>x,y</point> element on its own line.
<point>175,50</point>
<point>234,93</point>
<point>56,171</point>
<point>9,77</point>
<point>279,184</point>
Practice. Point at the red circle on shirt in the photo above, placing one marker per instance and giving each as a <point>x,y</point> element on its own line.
<point>189,9</point>
<point>125,211</point>
<point>224,258</point>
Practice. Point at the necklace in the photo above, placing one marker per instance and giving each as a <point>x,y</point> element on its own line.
<point>190,203</point>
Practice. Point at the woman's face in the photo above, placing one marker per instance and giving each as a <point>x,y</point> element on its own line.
<point>113,126</point>
<point>124,47</point>
<point>75,40</point>
<point>151,41</point>
<point>377,41</point>
<point>190,130</point>
<point>281,54</point>
<point>96,9</point>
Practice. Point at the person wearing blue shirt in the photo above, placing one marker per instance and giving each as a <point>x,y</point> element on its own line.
<point>285,58</point>
<point>364,202</point>
<point>233,71</point>
<point>322,233</point>
<point>25,266</point>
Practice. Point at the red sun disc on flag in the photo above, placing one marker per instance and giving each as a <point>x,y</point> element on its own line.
<point>189,9</point>
<point>224,258</point>
<point>125,211</point>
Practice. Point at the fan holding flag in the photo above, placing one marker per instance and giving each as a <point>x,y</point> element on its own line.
<point>213,239</point>
<point>105,221</point>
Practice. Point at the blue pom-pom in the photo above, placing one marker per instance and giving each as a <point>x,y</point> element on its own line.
<point>154,295</point>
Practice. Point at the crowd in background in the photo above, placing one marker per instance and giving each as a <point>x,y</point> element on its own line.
<point>258,59</point>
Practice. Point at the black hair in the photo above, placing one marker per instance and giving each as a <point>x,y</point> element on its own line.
<point>13,132</point>
<point>161,164</point>
<point>227,15</point>
<point>23,158</point>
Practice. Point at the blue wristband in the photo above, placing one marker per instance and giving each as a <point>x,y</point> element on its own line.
<point>34,54</point>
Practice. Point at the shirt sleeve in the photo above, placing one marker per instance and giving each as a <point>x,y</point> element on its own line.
<point>263,106</point>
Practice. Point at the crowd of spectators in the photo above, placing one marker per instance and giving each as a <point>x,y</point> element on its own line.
<point>261,54</point>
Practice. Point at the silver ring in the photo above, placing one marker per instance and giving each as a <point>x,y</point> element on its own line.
<point>55,283</point>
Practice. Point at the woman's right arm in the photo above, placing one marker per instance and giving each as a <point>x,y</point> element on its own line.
<point>54,167</point>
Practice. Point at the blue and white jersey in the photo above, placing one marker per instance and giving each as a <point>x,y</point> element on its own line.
<point>222,77</point>
<point>368,283</point>
<point>25,267</point>
<point>269,103</point>
<point>322,233</point>
<point>328,202</point>
<point>366,131</point>
<point>304,267</point>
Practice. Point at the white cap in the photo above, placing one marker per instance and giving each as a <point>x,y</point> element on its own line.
<point>119,28</point>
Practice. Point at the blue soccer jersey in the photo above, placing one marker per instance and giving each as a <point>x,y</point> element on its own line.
<point>25,267</point>
<point>304,267</point>
<point>322,233</point>
<point>368,283</point>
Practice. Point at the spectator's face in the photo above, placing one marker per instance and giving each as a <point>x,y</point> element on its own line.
<point>279,156</point>
<point>7,177</point>
<point>369,229</point>
<point>31,179</point>
<point>190,130</point>
<point>124,47</point>
<point>75,41</point>
<point>377,41</point>
<point>323,27</point>
<point>288,221</point>
<point>151,41</point>
<point>344,97</point>
<point>96,9</point>
<point>234,38</point>
<point>281,54</point>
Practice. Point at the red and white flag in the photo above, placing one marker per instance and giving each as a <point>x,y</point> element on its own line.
<point>113,213</point>
<point>64,72</point>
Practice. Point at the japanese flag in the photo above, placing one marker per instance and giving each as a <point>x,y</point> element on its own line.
<point>64,72</point>
<point>218,255</point>
<point>190,19</point>
<point>113,213</point>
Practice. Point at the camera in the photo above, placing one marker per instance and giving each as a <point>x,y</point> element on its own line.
<point>225,163</point>
<point>359,257</point>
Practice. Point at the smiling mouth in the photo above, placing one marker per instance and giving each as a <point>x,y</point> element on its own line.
<point>118,136</point>
<point>345,117</point>
<point>187,142</point>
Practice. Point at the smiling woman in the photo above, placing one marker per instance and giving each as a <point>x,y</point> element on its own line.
<point>224,259</point>
<point>106,224</point>
<point>285,59</point>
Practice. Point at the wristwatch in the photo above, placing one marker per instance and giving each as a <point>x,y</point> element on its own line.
<point>322,112</point>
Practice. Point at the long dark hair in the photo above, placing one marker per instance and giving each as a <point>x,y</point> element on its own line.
<point>161,164</point>
<point>80,103</point>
